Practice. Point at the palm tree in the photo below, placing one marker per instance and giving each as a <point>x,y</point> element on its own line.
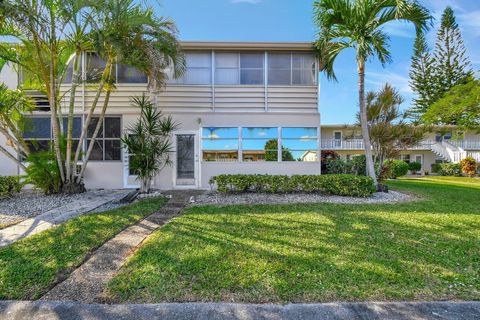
<point>347,24</point>
<point>51,32</point>
<point>126,32</point>
<point>148,142</point>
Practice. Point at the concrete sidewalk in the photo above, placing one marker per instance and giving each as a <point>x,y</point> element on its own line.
<point>216,311</point>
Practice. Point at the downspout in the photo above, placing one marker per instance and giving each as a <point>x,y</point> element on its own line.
<point>319,119</point>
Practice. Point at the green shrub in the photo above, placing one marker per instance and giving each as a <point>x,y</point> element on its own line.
<point>414,166</point>
<point>9,185</point>
<point>43,172</point>
<point>336,166</point>
<point>435,168</point>
<point>334,184</point>
<point>398,168</point>
<point>359,165</point>
<point>450,169</point>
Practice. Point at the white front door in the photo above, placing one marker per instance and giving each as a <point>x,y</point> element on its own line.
<point>186,159</point>
<point>129,177</point>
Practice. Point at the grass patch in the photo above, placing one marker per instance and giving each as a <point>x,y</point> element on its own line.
<point>425,250</point>
<point>30,267</point>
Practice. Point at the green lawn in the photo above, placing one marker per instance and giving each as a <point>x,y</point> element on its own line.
<point>30,267</point>
<point>425,250</point>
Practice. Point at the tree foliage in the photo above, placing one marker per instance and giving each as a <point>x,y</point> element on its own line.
<point>460,106</point>
<point>148,142</point>
<point>119,31</point>
<point>359,25</point>
<point>422,71</point>
<point>388,128</point>
<point>451,62</point>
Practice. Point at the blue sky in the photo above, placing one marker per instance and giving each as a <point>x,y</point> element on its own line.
<point>291,20</point>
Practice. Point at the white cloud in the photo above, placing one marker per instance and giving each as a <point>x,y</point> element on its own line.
<point>400,29</point>
<point>246,1</point>
<point>398,81</point>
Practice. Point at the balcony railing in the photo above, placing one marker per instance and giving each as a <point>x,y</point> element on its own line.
<point>357,144</point>
<point>338,144</point>
<point>466,144</point>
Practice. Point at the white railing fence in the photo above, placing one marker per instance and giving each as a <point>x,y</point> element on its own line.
<point>466,144</point>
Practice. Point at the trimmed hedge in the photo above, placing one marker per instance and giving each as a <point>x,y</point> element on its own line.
<point>334,184</point>
<point>447,169</point>
<point>9,185</point>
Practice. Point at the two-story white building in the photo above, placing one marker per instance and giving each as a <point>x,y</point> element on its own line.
<point>236,104</point>
<point>241,107</point>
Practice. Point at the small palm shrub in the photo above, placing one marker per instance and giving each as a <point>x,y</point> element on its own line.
<point>148,142</point>
<point>43,173</point>
<point>469,166</point>
<point>9,185</point>
<point>334,184</point>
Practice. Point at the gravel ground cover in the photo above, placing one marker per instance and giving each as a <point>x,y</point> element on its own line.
<point>217,198</point>
<point>31,203</point>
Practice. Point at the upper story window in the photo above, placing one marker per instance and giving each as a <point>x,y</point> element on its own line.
<point>239,68</point>
<point>95,65</point>
<point>129,74</point>
<point>199,69</point>
<point>291,69</point>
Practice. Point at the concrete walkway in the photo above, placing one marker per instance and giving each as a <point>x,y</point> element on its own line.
<point>227,311</point>
<point>58,215</point>
<point>86,284</point>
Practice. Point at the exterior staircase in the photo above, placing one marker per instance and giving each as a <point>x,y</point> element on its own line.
<point>450,152</point>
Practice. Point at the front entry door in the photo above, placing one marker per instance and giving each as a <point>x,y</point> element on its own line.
<point>185,160</point>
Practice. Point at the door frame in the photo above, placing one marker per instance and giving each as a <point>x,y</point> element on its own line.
<point>339,140</point>
<point>126,171</point>
<point>196,164</point>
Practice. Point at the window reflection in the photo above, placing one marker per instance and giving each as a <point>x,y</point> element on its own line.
<point>259,144</point>
<point>220,144</point>
<point>300,144</point>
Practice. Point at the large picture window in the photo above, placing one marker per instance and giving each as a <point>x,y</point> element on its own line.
<point>259,144</point>
<point>300,144</point>
<point>220,144</point>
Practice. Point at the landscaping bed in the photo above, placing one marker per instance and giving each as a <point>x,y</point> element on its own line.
<point>217,198</point>
<point>31,266</point>
<point>31,203</point>
<point>422,250</point>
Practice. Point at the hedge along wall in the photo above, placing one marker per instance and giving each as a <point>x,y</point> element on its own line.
<point>334,184</point>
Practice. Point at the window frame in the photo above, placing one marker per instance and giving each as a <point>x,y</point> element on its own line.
<point>87,140</point>
<point>292,68</point>
<point>279,138</point>
<point>239,68</point>
<point>202,139</point>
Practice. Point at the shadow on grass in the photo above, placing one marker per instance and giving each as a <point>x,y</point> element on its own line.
<point>314,252</point>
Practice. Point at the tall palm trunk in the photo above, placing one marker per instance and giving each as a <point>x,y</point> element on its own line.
<point>364,120</point>
<point>108,76</point>
<point>83,135</point>
<point>70,171</point>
